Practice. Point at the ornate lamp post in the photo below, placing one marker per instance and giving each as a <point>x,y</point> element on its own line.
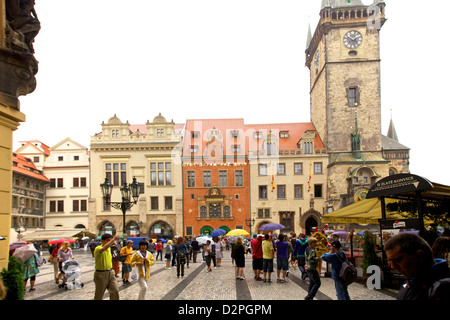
<point>250,223</point>
<point>128,191</point>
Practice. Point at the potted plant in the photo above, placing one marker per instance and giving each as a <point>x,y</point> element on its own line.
<point>370,256</point>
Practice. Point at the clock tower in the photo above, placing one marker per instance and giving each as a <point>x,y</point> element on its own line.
<point>343,56</point>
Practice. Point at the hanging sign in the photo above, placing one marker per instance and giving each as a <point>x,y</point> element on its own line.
<point>398,184</point>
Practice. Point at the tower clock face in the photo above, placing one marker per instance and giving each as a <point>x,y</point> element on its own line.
<point>353,39</point>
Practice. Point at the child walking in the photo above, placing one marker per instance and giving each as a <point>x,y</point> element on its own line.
<point>312,263</point>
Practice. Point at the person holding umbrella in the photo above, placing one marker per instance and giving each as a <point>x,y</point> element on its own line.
<point>30,270</point>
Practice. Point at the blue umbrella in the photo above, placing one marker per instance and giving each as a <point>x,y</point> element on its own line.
<point>271,227</point>
<point>218,233</point>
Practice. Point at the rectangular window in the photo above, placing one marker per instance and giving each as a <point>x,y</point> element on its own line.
<point>161,173</point>
<point>195,134</point>
<point>154,205</point>
<point>60,182</point>
<point>262,169</point>
<point>298,168</point>
<point>238,178</point>
<point>298,191</point>
<point>281,191</point>
<point>83,205</point>
<point>318,191</point>
<point>153,178</point>
<point>60,205</point>
<point>223,178</point>
<point>116,173</point>
<point>308,148</point>
<point>206,178</point>
<point>52,206</point>
<point>75,205</point>
<point>263,213</point>
<point>168,203</point>
<point>194,148</point>
<point>83,182</point>
<point>262,192</point>
<point>353,96</point>
<point>191,179</point>
<point>281,169</point>
<point>317,167</point>
<point>52,183</point>
<point>106,205</point>
<point>76,182</point>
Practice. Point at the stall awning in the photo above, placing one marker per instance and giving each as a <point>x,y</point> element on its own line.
<point>363,212</point>
<point>41,235</point>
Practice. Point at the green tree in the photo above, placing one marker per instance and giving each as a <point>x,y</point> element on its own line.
<point>369,253</point>
<point>13,280</point>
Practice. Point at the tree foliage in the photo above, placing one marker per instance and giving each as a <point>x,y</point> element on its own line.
<point>13,280</point>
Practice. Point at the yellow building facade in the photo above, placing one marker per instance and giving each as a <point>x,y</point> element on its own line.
<point>18,68</point>
<point>149,152</point>
<point>288,176</point>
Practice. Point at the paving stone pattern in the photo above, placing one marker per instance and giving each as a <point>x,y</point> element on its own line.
<point>197,284</point>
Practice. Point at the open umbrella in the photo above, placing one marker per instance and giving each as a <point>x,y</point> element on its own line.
<point>218,233</point>
<point>56,241</point>
<point>340,233</point>
<point>203,239</point>
<point>271,227</point>
<point>237,232</point>
<point>25,252</point>
<point>13,246</point>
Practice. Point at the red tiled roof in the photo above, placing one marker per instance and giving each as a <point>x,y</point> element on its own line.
<point>44,147</point>
<point>245,138</point>
<point>26,167</point>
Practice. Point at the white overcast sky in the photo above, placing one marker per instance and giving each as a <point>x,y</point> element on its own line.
<point>192,59</point>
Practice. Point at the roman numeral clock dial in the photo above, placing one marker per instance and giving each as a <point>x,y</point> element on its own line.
<point>353,39</point>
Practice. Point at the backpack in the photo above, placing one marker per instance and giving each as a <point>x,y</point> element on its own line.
<point>115,253</point>
<point>348,273</point>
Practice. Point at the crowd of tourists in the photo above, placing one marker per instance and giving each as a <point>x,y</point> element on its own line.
<point>425,267</point>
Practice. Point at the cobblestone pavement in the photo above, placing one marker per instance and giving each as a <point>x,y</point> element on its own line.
<point>197,284</point>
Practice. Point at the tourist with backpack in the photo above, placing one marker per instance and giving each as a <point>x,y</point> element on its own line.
<point>336,257</point>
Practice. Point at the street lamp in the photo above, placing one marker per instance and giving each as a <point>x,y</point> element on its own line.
<point>128,191</point>
<point>250,223</point>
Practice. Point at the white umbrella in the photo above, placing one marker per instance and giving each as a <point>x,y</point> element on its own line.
<point>203,239</point>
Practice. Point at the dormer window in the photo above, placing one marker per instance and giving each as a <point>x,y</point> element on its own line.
<point>308,147</point>
<point>160,132</point>
<point>195,134</point>
<point>194,148</point>
<point>284,134</point>
<point>257,135</point>
<point>115,133</point>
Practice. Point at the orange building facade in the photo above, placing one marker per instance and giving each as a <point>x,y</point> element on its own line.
<point>216,182</point>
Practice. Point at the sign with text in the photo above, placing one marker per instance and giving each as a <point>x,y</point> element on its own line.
<point>398,184</point>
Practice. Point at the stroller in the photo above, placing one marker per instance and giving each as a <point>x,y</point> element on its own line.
<point>72,275</point>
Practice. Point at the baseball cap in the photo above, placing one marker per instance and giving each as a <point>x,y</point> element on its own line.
<point>336,244</point>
